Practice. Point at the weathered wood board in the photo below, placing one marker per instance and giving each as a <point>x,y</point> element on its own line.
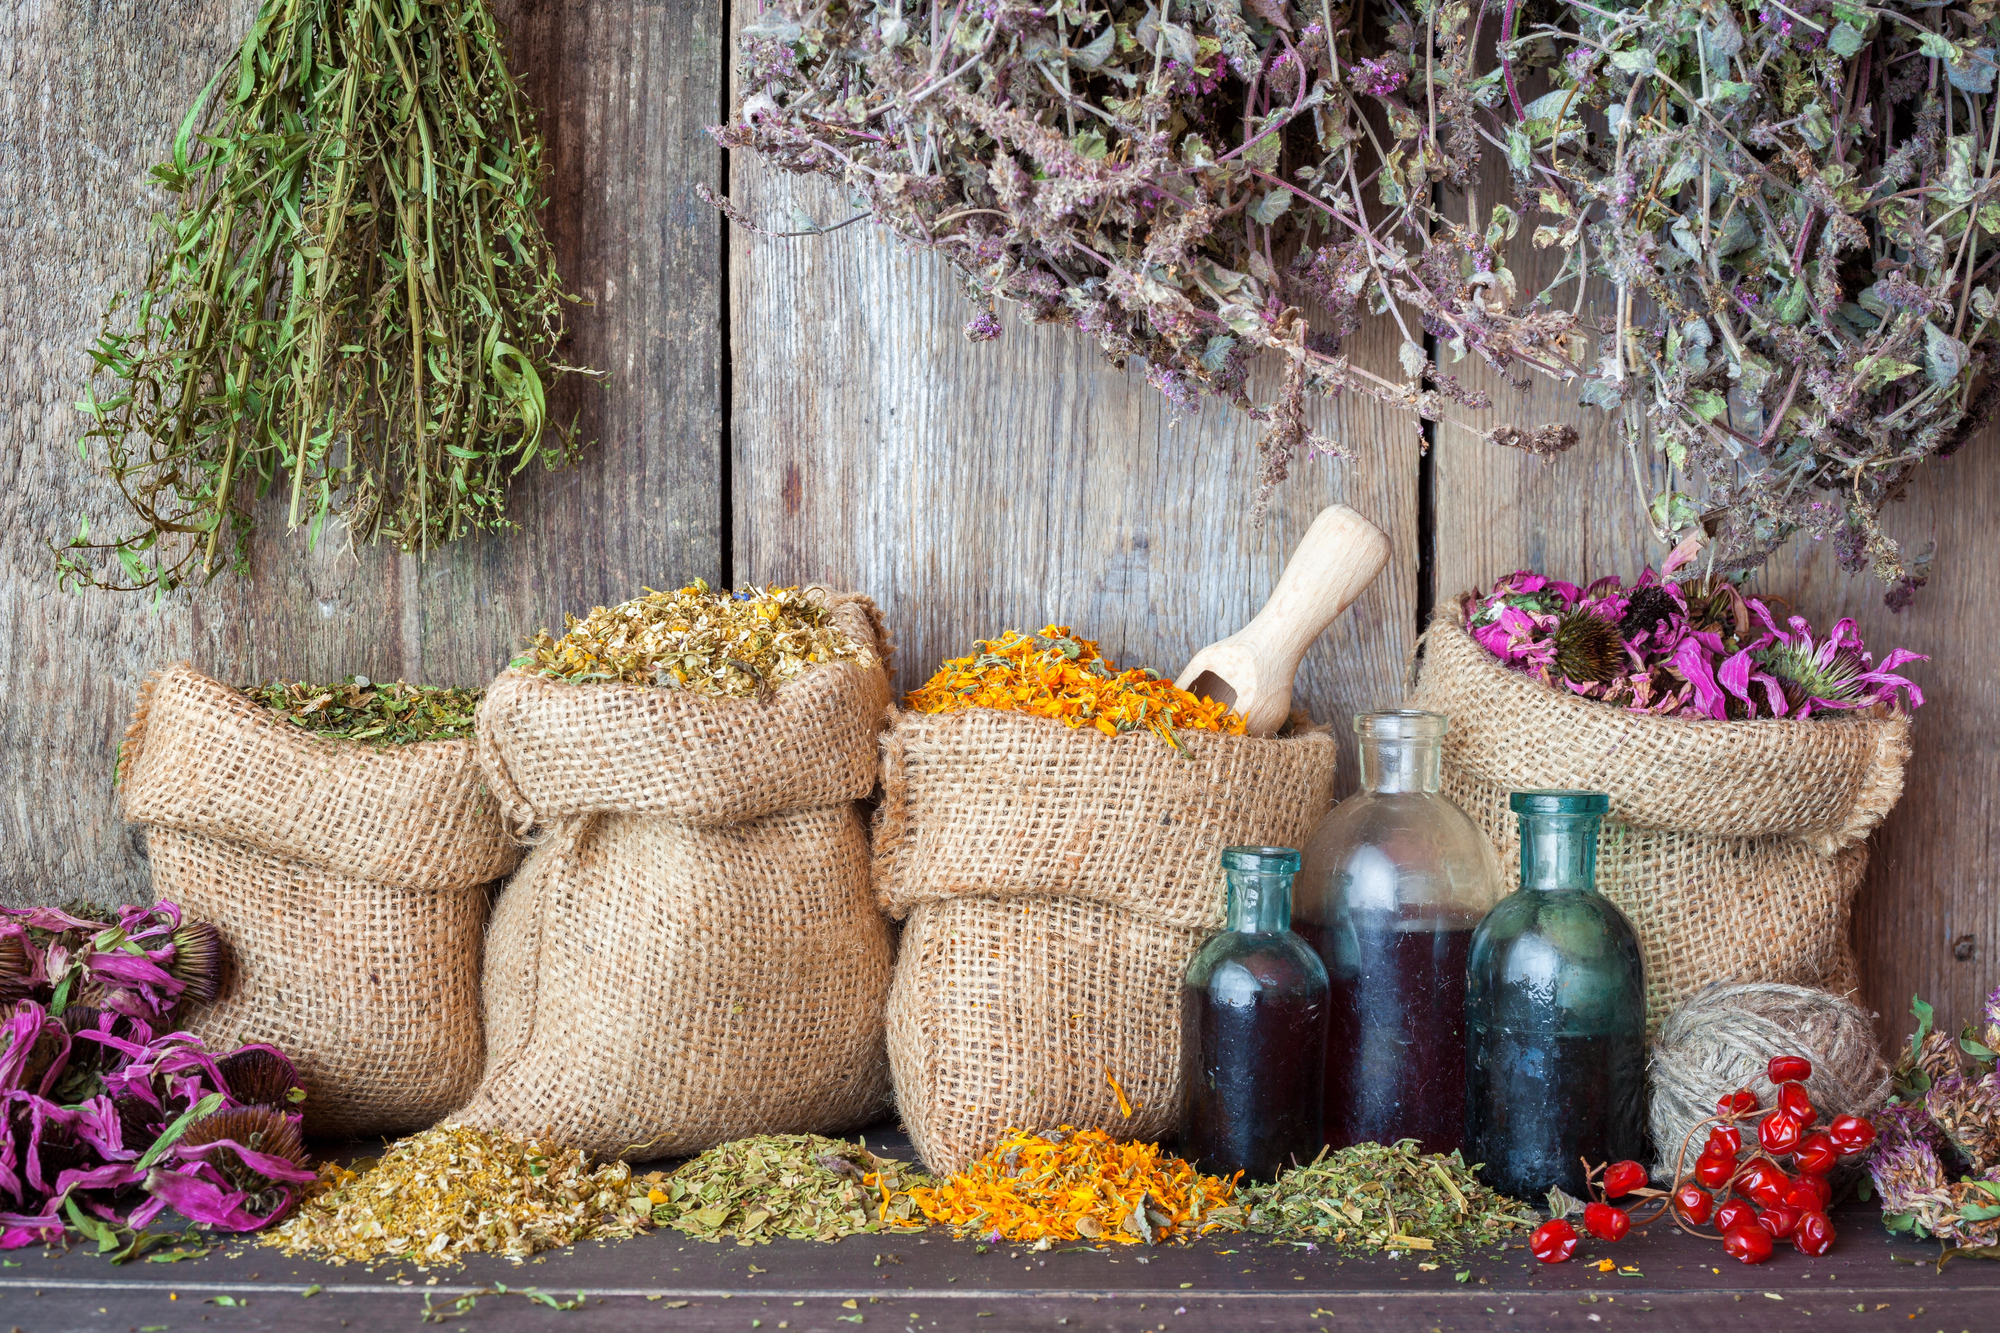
<point>94,90</point>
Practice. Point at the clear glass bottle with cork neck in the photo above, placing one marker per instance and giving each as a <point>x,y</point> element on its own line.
<point>1396,877</point>
<point>1253,1024</point>
<point>1555,1012</point>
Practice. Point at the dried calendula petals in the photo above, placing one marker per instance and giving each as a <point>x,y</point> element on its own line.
<point>1081,1184</point>
<point>797,1186</point>
<point>1056,674</point>
<point>743,643</point>
<point>1376,1196</point>
<point>359,709</point>
<point>437,1196</point>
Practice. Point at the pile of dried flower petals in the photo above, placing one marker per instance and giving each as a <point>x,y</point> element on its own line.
<point>742,644</point>
<point>453,1190</point>
<point>1056,674</point>
<point>1081,1185</point>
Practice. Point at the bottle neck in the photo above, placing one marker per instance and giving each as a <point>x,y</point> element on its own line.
<point>1559,852</point>
<point>1401,765</point>
<point>1260,903</point>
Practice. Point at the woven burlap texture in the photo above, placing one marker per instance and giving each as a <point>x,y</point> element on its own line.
<point>372,989</point>
<point>554,750</point>
<point>1055,884</point>
<point>348,883</point>
<point>699,957</point>
<point>1709,904</point>
<point>202,758</point>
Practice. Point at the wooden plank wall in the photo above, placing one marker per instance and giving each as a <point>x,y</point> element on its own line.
<point>809,410</point>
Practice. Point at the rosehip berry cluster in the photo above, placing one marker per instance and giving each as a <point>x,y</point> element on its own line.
<point>1555,1240</point>
<point>1753,1200</point>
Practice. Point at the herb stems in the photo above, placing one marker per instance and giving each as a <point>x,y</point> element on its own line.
<point>353,298</point>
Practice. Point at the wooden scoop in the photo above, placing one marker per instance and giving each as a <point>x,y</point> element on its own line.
<point>1252,669</point>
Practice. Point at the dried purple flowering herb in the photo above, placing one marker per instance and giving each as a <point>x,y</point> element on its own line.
<point>1182,180</point>
<point>1690,646</point>
<point>1936,1161</point>
<point>106,1121</point>
<point>1795,203</point>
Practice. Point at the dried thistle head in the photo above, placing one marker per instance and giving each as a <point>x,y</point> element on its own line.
<point>197,961</point>
<point>259,1076</point>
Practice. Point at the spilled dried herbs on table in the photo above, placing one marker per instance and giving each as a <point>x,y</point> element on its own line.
<point>741,644</point>
<point>1081,1185</point>
<point>1375,1197</point>
<point>453,1190</point>
<point>358,709</point>
<point>788,1186</point>
<point>1057,674</point>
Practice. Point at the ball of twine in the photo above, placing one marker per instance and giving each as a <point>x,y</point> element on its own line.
<point>1721,1038</point>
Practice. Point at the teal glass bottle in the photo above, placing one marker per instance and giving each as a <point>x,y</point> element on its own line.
<point>1555,1012</point>
<point>1253,1029</point>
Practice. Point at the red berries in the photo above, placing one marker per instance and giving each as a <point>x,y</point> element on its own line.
<point>1761,1182</point>
<point>1605,1222</point>
<point>1851,1134</point>
<point>1816,1154</point>
<point>1621,1178</point>
<point>1555,1241</point>
<point>1723,1141</point>
<point>1735,1213</point>
<point>1715,1171</point>
<point>1738,1103</point>
<point>1789,1069</point>
<point>1750,1244</point>
<point>1794,1102</point>
<point>1779,1219</point>
<point>1779,1133</point>
<point>1694,1204</point>
<point>1813,1235</point>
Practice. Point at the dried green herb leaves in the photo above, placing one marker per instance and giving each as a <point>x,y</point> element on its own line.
<point>1375,1197</point>
<point>358,709</point>
<point>352,302</point>
<point>796,1186</point>
<point>743,644</point>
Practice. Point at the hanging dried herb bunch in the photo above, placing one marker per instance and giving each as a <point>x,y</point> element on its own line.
<point>1180,180</point>
<point>352,301</point>
<point>1796,203</point>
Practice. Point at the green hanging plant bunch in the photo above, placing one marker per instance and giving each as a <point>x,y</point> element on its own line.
<point>353,304</point>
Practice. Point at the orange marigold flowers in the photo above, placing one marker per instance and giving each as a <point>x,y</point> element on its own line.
<point>1056,674</point>
<point>1081,1185</point>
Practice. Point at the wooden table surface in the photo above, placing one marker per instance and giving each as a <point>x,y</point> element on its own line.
<point>928,1281</point>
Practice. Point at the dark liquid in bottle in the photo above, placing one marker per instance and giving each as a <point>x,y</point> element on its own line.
<point>1252,1077</point>
<point>1395,1047</point>
<point>1538,1103</point>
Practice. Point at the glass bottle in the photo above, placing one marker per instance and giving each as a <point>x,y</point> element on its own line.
<point>1395,879</point>
<point>1253,1027</point>
<point>1555,1012</point>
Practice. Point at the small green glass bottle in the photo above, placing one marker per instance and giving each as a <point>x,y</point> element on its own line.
<point>1555,1012</point>
<point>1253,1029</point>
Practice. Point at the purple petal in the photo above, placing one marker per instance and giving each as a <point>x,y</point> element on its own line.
<point>263,1163</point>
<point>1734,675</point>
<point>1692,663</point>
<point>200,1199</point>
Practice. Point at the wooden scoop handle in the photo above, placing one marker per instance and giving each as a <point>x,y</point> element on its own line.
<point>1340,555</point>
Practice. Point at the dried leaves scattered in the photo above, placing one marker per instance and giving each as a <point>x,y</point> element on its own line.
<point>1794,204</point>
<point>351,300</point>
<point>437,1196</point>
<point>794,1186</point>
<point>1081,1185</point>
<point>744,644</point>
<point>358,709</point>
<point>1375,1197</point>
<point>1937,1150</point>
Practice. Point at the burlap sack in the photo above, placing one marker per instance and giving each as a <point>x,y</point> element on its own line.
<point>348,882</point>
<point>691,953</point>
<point>1055,883</point>
<point>1735,848</point>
